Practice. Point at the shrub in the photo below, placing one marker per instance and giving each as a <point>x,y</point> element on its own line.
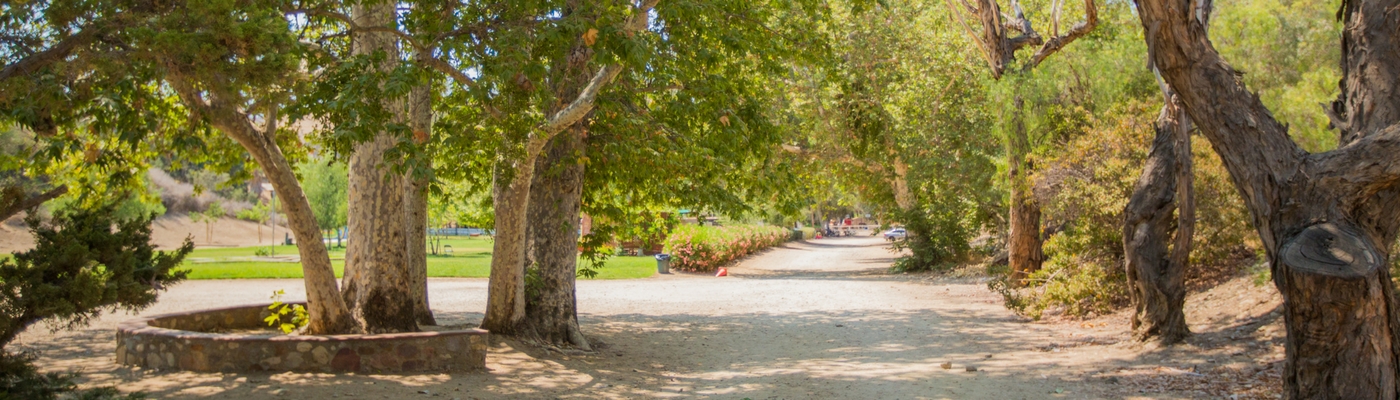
<point>85,262</point>
<point>1084,191</point>
<point>938,237</point>
<point>705,248</point>
<point>80,266</point>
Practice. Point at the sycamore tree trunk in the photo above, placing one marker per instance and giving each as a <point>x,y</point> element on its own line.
<point>505,304</point>
<point>505,307</point>
<point>555,201</point>
<point>1325,220</point>
<point>1023,243</point>
<point>326,310</point>
<point>377,285</point>
<point>1157,271</point>
<point>416,206</point>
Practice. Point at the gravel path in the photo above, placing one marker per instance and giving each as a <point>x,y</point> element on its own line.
<point>819,319</point>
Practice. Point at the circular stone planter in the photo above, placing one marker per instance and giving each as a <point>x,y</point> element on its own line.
<point>183,341</point>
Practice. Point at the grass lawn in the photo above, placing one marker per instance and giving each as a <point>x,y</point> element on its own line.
<point>470,258</point>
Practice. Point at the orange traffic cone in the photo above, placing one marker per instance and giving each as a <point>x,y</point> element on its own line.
<point>722,272</point>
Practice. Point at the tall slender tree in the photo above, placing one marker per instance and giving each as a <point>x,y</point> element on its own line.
<point>999,49</point>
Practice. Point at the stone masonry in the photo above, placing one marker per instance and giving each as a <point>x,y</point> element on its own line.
<point>189,341</point>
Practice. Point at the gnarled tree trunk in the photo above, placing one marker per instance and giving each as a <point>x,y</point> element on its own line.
<point>555,197</point>
<point>1157,273</point>
<point>1325,220</point>
<point>415,192</point>
<point>377,283</point>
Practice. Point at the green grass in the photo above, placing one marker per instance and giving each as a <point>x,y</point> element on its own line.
<point>470,258</point>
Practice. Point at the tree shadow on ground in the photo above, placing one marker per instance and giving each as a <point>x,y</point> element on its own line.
<point>839,354</point>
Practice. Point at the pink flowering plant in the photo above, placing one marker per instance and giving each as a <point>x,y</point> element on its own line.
<point>705,248</point>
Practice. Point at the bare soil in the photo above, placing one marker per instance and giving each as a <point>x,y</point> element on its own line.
<point>168,232</point>
<point>820,319</point>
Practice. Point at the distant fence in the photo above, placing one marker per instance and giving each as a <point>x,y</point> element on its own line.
<point>459,232</point>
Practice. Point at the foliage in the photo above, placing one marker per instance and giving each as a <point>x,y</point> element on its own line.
<point>259,213</point>
<point>1086,186</point>
<point>326,185</point>
<point>937,239</point>
<point>285,317</point>
<point>900,137</point>
<point>84,262</point>
<point>21,380</point>
<point>705,248</point>
<point>1287,53</point>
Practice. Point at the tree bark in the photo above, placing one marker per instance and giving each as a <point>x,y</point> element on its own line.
<point>555,200</point>
<point>1156,274</point>
<point>377,284</point>
<point>1023,236</point>
<point>416,206</point>
<point>1325,220</point>
<point>327,312</point>
<point>505,306</point>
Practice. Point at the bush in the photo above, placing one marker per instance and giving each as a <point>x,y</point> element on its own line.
<point>705,248</point>
<point>1084,192</point>
<point>937,239</point>
<point>79,267</point>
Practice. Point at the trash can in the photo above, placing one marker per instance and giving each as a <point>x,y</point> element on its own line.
<point>796,234</point>
<point>663,263</point>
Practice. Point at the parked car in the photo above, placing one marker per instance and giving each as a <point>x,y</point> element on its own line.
<point>896,233</point>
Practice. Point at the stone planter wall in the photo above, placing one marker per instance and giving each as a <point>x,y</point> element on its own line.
<point>184,341</point>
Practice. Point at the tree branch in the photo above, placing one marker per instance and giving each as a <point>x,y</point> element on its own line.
<point>25,203</point>
<point>583,104</point>
<point>430,61</point>
<point>1091,20</point>
<point>59,51</point>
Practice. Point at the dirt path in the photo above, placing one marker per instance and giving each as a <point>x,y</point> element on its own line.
<point>810,320</point>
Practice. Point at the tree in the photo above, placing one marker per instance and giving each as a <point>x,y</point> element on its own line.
<point>85,262</point>
<point>1325,220</point>
<point>326,181</point>
<point>209,216</point>
<point>523,109</point>
<point>243,98</point>
<point>259,213</point>
<point>146,79</point>
<point>999,49</point>
<point>898,133</point>
<point>1157,276</point>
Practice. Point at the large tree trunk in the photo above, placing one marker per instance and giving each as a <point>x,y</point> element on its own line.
<point>1023,243</point>
<point>505,305</point>
<point>378,285</point>
<point>555,197</point>
<point>1325,220</point>
<point>1156,274</point>
<point>416,206</point>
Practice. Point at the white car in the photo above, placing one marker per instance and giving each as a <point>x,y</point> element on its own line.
<point>896,233</point>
